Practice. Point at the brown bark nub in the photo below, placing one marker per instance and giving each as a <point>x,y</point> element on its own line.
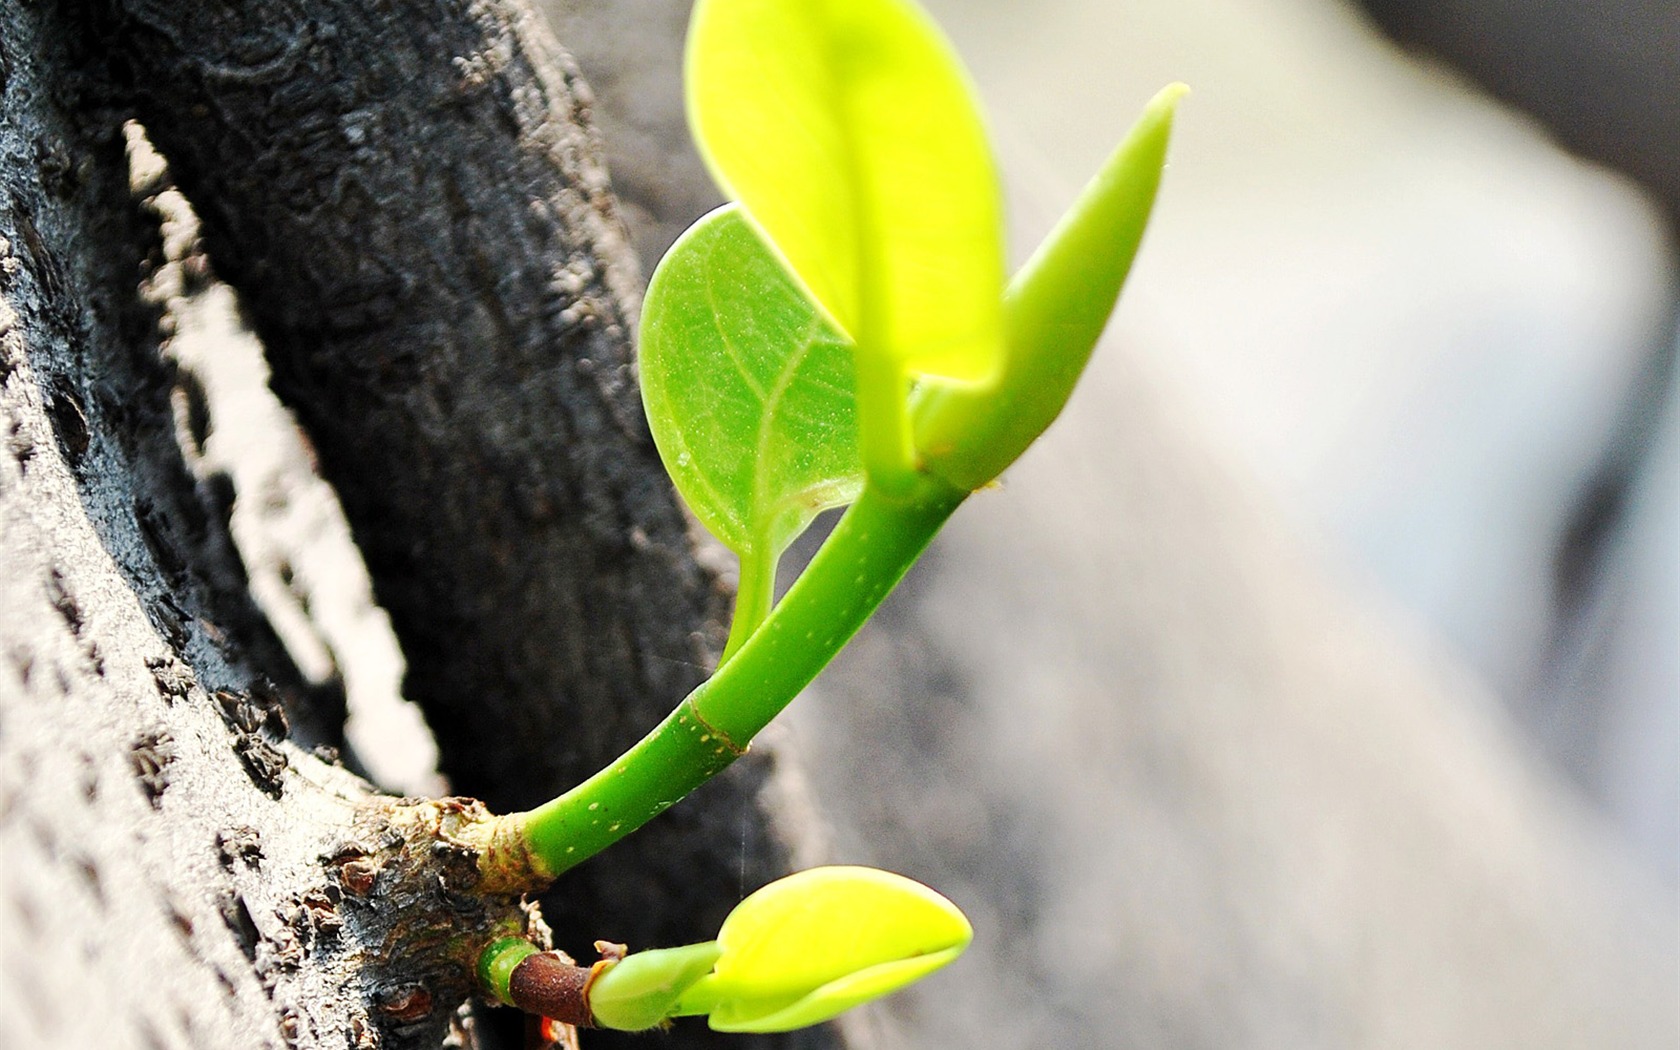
<point>548,984</point>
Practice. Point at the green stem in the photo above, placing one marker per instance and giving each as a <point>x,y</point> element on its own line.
<point>871,548</point>
<point>884,433</point>
<point>754,594</point>
<point>497,963</point>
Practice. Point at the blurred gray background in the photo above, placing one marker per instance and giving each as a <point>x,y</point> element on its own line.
<point>1410,319</point>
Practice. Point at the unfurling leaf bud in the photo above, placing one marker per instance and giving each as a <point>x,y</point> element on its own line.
<point>795,953</point>
<point>641,990</point>
<point>805,948</point>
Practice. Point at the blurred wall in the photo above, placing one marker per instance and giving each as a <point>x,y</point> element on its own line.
<point>1413,320</point>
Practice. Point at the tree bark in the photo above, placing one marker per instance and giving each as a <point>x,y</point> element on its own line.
<point>411,208</point>
<point>173,868</point>
<point>409,205</point>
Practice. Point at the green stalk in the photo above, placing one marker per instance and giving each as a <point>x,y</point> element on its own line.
<point>497,963</point>
<point>871,548</point>
<point>884,434</point>
<point>755,592</point>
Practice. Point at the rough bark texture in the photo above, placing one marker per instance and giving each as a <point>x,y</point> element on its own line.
<point>409,204</point>
<point>412,213</point>
<point>174,868</point>
<point>632,58</point>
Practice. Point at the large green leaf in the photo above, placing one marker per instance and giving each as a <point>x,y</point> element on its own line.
<point>848,129</point>
<point>749,389</point>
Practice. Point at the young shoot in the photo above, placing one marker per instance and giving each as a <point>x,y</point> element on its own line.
<point>840,334</point>
<point>798,952</point>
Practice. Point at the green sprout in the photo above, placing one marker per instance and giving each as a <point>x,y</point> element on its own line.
<point>840,334</point>
<point>798,952</point>
<point>808,947</point>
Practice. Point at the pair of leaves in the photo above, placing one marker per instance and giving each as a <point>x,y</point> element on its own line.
<point>847,131</point>
<point>782,334</point>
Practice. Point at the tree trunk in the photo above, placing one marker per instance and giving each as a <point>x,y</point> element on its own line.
<point>410,207</point>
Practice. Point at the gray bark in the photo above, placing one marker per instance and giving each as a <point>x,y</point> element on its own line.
<point>409,205</point>
<point>172,858</point>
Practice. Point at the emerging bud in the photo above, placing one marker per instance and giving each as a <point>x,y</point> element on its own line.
<point>796,953</point>
<point>641,990</point>
<point>1054,310</point>
<point>808,947</point>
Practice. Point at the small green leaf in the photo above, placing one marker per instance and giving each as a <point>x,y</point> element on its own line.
<point>810,946</point>
<point>849,131</point>
<point>641,990</point>
<point>1054,312</point>
<point>748,389</point>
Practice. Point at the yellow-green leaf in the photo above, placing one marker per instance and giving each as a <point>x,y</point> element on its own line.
<point>830,1000</point>
<point>849,131</point>
<point>641,990</point>
<point>748,389</point>
<point>819,942</point>
<point>1054,311</point>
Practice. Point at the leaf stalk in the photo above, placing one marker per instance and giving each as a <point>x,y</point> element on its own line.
<point>875,543</point>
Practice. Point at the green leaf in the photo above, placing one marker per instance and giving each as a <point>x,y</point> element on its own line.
<point>810,946</point>
<point>641,990</point>
<point>1054,311</point>
<point>749,390</point>
<point>849,131</point>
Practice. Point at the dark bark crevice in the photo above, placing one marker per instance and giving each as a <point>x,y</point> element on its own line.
<point>92,244</point>
<point>432,263</point>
